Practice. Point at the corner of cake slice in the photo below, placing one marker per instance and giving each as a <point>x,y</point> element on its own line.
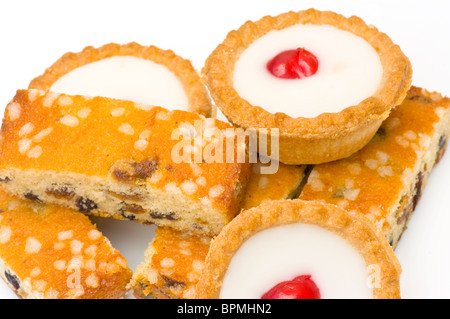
<point>385,179</point>
<point>174,260</point>
<point>52,252</point>
<point>122,159</point>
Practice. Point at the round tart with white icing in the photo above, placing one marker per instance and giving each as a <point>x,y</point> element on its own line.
<point>142,74</point>
<point>295,249</point>
<point>326,82</point>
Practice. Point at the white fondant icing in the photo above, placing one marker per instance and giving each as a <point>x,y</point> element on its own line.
<point>349,71</point>
<point>284,252</point>
<point>126,78</point>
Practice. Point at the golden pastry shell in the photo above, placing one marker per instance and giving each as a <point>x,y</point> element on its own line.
<point>329,136</point>
<point>198,97</point>
<point>356,229</point>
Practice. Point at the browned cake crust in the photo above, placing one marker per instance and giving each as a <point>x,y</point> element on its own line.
<point>116,158</point>
<point>196,92</point>
<point>329,136</point>
<point>385,179</point>
<point>355,228</point>
<point>56,253</point>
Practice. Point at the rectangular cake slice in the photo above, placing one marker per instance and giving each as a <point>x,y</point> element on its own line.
<point>384,180</point>
<point>50,252</point>
<point>122,159</point>
<point>174,260</point>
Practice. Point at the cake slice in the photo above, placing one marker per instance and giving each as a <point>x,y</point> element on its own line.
<point>174,260</point>
<point>384,180</point>
<point>122,159</point>
<point>49,252</point>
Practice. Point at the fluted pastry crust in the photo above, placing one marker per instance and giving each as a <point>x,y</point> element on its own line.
<point>356,229</point>
<point>329,136</point>
<point>196,92</point>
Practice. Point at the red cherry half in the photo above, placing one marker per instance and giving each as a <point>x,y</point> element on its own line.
<point>293,64</point>
<point>301,287</point>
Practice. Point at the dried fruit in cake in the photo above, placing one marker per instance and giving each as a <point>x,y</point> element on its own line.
<point>385,179</point>
<point>123,159</point>
<point>142,74</point>
<point>174,260</point>
<point>326,82</point>
<point>50,252</point>
<point>346,256</point>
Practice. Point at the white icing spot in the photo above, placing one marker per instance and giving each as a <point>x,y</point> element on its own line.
<point>65,100</point>
<point>42,134</point>
<point>14,110</point>
<point>126,129</point>
<point>84,113</point>
<point>5,234</point>
<point>117,112</point>
<point>69,120</point>
<point>32,245</point>
<point>140,145</point>
<point>26,129</point>
<point>35,152</point>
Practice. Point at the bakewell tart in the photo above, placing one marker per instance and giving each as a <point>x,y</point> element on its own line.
<point>174,260</point>
<point>118,158</point>
<point>142,74</point>
<point>51,252</point>
<point>295,249</point>
<point>319,83</point>
<point>385,179</point>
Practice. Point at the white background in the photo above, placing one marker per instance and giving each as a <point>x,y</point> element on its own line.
<point>34,34</point>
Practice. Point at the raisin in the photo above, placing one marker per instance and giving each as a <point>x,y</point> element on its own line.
<point>172,283</point>
<point>32,197</point>
<point>442,146</point>
<point>129,170</point>
<point>145,168</point>
<point>421,99</point>
<point>125,214</point>
<point>442,141</point>
<point>381,132</point>
<point>169,216</point>
<point>12,279</point>
<point>123,170</point>
<point>5,179</point>
<point>134,208</point>
<point>339,193</point>
<point>85,205</point>
<point>125,196</point>
<point>65,191</point>
<point>418,190</point>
